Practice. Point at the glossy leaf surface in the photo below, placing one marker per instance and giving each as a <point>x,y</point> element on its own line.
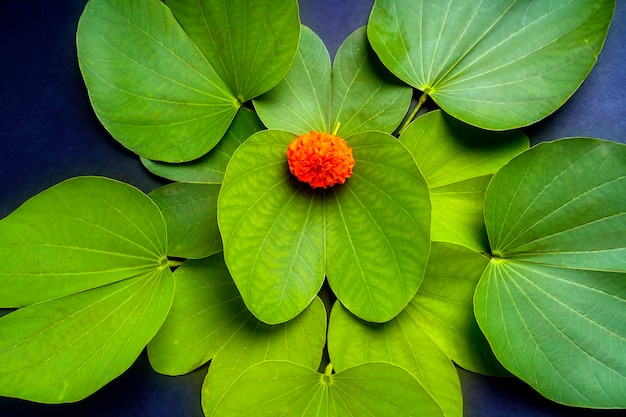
<point>552,302</point>
<point>148,83</point>
<point>357,95</point>
<point>251,44</point>
<point>458,161</point>
<point>287,389</point>
<point>190,213</point>
<point>496,65</point>
<point>281,237</point>
<point>401,342</point>
<point>80,234</point>
<point>299,341</point>
<point>210,168</point>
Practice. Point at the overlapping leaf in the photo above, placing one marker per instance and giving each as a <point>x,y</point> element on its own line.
<point>211,167</point>
<point>402,342</point>
<point>251,44</point>
<point>552,299</point>
<point>190,213</point>
<point>281,237</point>
<point>443,307</point>
<point>87,260</point>
<point>358,94</point>
<point>287,389</point>
<point>80,234</point>
<point>496,65</point>
<point>168,93</point>
<point>299,341</point>
<point>458,162</point>
<point>148,83</point>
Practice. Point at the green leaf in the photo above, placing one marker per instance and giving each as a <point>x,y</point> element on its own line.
<point>458,162</point>
<point>65,349</point>
<point>148,83</point>
<point>281,237</point>
<point>300,103</point>
<point>365,96</point>
<point>272,229</point>
<point>250,44</point>
<point>401,342</point>
<point>80,234</point>
<point>190,213</point>
<point>298,341</point>
<point>443,307</point>
<point>494,65</point>
<point>551,298</point>
<point>377,229</point>
<point>287,389</point>
<point>210,168</point>
<point>206,312</point>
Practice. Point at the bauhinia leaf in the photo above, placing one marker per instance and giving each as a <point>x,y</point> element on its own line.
<point>496,65</point>
<point>458,161</point>
<point>210,167</point>
<point>148,83</point>
<point>299,341</point>
<point>401,342</point>
<point>552,299</point>
<point>357,95</point>
<point>77,235</point>
<point>65,349</point>
<point>86,261</point>
<point>190,213</point>
<point>281,237</point>
<point>284,388</point>
<point>251,45</point>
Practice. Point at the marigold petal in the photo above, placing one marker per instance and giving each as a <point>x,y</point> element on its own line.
<point>320,159</point>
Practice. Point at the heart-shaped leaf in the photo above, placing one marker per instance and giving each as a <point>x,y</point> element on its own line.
<point>358,95</point>
<point>210,168</point>
<point>281,237</point>
<point>458,161</point>
<point>496,65</point>
<point>402,342</point>
<point>552,299</point>
<point>287,389</point>
<point>299,341</point>
<point>148,83</point>
<point>87,259</point>
<point>250,44</point>
<point>190,213</point>
<point>77,235</point>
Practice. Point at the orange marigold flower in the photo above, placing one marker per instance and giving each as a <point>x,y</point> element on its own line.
<point>320,159</point>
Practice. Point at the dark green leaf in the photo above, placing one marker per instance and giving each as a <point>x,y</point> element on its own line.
<point>551,301</point>
<point>497,65</point>
<point>251,44</point>
<point>148,83</point>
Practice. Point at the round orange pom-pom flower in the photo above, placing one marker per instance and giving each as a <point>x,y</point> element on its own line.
<point>320,159</point>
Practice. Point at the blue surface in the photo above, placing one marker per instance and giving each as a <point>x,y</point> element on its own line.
<point>49,133</point>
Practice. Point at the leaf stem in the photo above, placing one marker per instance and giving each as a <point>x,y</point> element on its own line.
<point>418,106</point>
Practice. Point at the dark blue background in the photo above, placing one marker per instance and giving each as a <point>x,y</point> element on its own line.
<point>49,133</point>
